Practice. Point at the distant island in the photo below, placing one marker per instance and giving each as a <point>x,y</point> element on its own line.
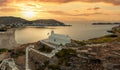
<point>7,22</point>
<point>116,23</point>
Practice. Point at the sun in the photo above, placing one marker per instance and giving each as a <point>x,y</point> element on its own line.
<point>29,14</point>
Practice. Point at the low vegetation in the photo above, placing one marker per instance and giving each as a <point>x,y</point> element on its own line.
<point>0,61</point>
<point>94,60</point>
<point>3,29</point>
<point>81,43</point>
<point>45,49</point>
<point>4,50</point>
<point>54,67</point>
<point>104,39</point>
<point>116,29</point>
<point>64,55</point>
<point>15,54</point>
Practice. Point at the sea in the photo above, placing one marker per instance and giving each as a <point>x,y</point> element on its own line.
<point>78,31</point>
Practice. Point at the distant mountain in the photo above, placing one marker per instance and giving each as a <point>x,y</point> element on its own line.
<point>48,22</point>
<point>11,20</point>
<point>116,23</point>
<point>17,20</point>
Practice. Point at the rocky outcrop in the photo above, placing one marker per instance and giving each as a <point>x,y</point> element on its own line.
<point>4,56</point>
<point>7,39</point>
<point>7,20</point>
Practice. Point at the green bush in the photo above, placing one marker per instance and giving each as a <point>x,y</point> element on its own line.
<point>54,67</point>
<point>111,36</point>
<point>3,29</point>
<point>17,54</point>
<point>3,50</point>
<point>104,39</point>
<point>46,63</point>
<point>0,61</point>
<point>45,49</point>
<point>94,60</point>
<point>81,43</point>
<point>64,55</point>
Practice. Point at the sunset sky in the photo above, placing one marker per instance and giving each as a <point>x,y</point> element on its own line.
<point>64,10</point>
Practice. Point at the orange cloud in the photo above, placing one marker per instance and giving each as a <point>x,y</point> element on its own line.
<point>68,14</point>
<point>95,8</point>
<point>6,9</point>
<point>9,9</point>
<point>114,2</point>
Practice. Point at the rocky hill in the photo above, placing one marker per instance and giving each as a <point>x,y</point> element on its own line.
<point>9,20</point>
<point>48,22</point>
<point>116,23</point>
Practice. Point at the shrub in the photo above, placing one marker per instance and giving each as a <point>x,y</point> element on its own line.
<point>64,55</point>
<point>104,39</point>
<point>17,54</point>
<point>3,50</point>
<point>54,67</point>
<point>82,43</point>
<point>94,60</point>
<point>45,49</point>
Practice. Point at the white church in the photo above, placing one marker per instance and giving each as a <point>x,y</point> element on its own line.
<point>58,39</point>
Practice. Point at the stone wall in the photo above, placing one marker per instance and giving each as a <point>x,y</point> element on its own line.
<point>7,39</point>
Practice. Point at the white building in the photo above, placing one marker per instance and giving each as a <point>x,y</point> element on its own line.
<point>59,39</point>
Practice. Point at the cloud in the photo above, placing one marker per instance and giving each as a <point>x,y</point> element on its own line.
<point>97,13</point>
<point>3,2</point>
<point>68,14</point>
<point>58,12</point>
<point>91,14</point>
<point>8,9</point>
<point>95,8</point>
<point>21,5</point>
<point>114,2</point>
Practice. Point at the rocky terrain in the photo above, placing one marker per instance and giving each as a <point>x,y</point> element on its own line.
<point>7,39</point>
<point>7,20</point>
<point>95,54</point>
<point>102,57</point>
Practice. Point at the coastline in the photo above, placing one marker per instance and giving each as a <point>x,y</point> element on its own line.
<point>87,54</point>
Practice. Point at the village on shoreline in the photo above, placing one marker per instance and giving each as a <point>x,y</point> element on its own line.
<point>101,53</point>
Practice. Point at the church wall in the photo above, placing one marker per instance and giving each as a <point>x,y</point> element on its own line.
<point>59,40</point>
